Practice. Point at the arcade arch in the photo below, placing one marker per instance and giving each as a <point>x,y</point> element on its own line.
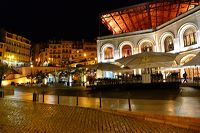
<point>188,34</point>
<point>167,42</point>
<point>107,51</point>
<point>146,45</point>
<point>126,49</point>
<point>189,71</point>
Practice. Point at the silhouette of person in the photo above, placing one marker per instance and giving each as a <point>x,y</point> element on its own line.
<point>185,77</point>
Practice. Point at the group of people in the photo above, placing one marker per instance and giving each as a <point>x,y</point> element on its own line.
<point>175,75</point>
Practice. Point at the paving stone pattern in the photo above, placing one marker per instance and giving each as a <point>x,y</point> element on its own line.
<point>30,117</point>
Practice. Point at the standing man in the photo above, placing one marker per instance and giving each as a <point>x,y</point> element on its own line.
<point>185,77</point>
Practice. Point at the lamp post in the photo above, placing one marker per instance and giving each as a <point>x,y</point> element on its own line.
<point>34,93</point>
<point>31,74</point>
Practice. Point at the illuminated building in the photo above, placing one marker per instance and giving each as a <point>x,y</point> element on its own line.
<point>38,48</point>
<point>14,49</point>
<point>159,26</point>
<point>61,53</point>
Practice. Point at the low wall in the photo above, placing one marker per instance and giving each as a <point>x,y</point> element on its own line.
<point>17,80</point>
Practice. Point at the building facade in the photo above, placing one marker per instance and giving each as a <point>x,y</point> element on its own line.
<point>62,53</point>
<point>179,35</point>
<point>14,49</point>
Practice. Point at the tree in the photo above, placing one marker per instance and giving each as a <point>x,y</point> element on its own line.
<point>40,76</point>
<point>31,77</point>
<point>3,69</point>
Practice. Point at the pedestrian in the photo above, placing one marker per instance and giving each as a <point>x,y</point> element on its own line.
<point>185,77</point>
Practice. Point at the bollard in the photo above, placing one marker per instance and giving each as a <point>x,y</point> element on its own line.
<point>58,99</point>
<point>43,95</point>
<point>100,102</point>
<point>34,96</point>
<point>76,100</point>
<point>43,98</point>
<point>129,101</point>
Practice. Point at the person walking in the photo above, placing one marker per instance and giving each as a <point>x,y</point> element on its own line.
<point>185,77</point>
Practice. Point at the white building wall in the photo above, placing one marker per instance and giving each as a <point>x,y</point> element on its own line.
<point>174,27</point>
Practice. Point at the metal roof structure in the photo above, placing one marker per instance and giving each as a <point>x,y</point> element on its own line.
<point>145,16</point>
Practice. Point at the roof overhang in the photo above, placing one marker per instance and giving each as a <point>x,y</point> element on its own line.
<point>145,16</point>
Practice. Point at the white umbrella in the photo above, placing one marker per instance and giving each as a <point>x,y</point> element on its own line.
<point>149,60</point>
<point>105,67</point>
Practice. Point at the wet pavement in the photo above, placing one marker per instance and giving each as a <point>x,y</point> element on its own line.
<point>33,117</point>
<point>18,116</point>
<point>182,102</point>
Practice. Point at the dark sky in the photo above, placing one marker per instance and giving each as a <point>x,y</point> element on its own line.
<point>41,20</point>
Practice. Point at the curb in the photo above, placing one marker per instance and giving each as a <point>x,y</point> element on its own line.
<point>177,121</point>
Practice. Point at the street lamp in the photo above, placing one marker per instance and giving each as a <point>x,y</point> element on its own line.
<point>34,93</point>
<point>84,54</point>
<point>31,73</point>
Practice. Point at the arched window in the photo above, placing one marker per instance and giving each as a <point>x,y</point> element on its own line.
<point>146,47</point>
<point>126,51</point>
<point>108,53</point>
<point>169,45</point>
<point>189,37</point>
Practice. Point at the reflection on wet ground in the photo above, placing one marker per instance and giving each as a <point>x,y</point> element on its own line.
<point>183,102</point>
<point>29,117</point>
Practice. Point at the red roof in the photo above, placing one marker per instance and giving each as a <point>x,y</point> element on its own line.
<point>146,15</point>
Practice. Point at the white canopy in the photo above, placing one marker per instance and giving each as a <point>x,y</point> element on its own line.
<point>105,67</point>
<point>149,60</point>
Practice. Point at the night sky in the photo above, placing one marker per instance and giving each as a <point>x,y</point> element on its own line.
<point>43,20</point>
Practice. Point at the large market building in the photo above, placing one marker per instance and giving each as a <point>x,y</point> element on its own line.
<point>171,26</point>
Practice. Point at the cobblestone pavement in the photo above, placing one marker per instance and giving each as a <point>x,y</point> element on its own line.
<point>23,117</point>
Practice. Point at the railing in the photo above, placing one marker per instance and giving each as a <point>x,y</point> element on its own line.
<point>154,79</point>
<point>128,81</point>
<point>90,102</point>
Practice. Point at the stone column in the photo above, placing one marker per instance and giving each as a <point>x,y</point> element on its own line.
<point>198,38</point>
<point>177,46</point>
<point>116,54</point>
